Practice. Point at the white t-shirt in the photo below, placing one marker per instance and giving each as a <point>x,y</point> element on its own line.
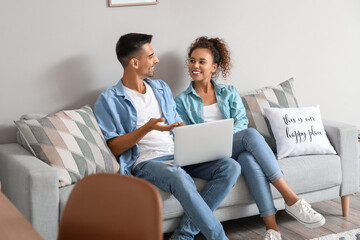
<point>155,143</point>
<point>212,113</point>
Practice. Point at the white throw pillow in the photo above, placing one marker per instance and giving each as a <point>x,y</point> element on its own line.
<point>298,131</point>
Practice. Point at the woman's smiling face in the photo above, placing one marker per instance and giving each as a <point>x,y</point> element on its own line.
<point>201,65</point>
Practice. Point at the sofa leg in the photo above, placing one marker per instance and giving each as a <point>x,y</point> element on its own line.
<point>345,204</point>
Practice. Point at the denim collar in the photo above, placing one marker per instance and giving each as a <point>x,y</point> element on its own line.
<point>217,87</point>
<point>120,89</point>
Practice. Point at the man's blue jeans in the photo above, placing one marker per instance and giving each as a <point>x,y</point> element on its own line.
<point>259,167</point>
<point>221,175</point>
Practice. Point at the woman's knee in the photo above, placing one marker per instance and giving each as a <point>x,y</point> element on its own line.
<point>254,140</point>
<point>252,133</point>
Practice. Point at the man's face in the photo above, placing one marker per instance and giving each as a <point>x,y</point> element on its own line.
<point>147,61</point>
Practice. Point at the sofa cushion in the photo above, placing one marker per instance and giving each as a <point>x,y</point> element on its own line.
<point>298,131</point>
<point>304,174</point>
<point>71,141</point>
<point>279,96</point>
<point>310,173</point>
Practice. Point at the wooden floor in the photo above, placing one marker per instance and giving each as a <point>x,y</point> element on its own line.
<point>254,228</point>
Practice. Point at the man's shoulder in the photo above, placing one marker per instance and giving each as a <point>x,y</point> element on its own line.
<point>106,96</point>
<point>158,83</point>
<point>109,92</point>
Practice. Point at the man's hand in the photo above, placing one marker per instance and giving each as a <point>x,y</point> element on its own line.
<point>157,124</point>
<point>182,124</point>
<point>122,143</point>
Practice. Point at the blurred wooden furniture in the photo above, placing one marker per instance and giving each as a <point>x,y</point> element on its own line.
<point>13,225</point>
<point>112,206</point>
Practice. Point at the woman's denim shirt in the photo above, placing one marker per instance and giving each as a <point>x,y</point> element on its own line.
<point>190,105</point>
<point>116,115</point>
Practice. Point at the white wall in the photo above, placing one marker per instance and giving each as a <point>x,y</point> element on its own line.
<point>58,55</point>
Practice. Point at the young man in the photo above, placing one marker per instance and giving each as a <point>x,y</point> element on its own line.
<point>137,117</point>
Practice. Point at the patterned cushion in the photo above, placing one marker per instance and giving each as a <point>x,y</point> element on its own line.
<point>19,137</point>
<point>71,141</point>
<point>279,96</point>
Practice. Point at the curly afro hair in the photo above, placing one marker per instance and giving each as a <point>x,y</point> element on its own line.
<point>220,53</point>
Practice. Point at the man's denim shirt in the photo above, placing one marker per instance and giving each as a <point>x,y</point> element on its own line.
<point>191,109</point>
<point>116,115</point>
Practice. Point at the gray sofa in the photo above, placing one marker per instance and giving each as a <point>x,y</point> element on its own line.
<point>32,185</point>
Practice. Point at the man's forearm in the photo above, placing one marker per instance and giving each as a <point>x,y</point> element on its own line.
<point>121,144</point>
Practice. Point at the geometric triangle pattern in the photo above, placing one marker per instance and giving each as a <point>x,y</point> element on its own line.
<point>71,142</point>
<point>280,96</point>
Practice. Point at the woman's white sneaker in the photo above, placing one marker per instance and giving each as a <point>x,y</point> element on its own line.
<point>303,212</point>
<point>272,235</point>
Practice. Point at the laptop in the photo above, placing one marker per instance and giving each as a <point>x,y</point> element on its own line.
<point>203,142</point>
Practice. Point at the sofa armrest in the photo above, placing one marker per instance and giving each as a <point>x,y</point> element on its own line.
<point>32,186</point>
<point>343,137</point>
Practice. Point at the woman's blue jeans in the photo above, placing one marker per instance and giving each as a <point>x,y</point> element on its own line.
<point>221,175</point>
<point>259,166</point>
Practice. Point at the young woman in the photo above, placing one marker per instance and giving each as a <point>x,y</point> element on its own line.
<point>205,100</point>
